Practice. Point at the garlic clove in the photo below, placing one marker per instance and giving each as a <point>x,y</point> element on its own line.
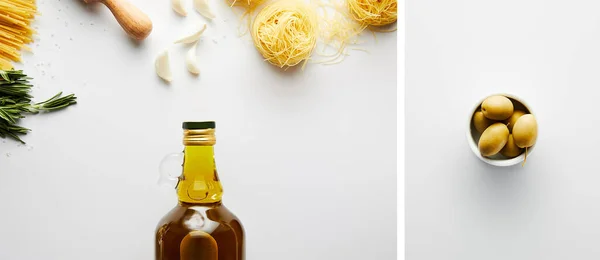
<point>203,8</point>
<point>178,7</point>
<point>193,37</point>
<point>162,65</point>
<point>191,62</point>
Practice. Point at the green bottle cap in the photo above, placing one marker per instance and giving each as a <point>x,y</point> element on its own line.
<point>199,125</point>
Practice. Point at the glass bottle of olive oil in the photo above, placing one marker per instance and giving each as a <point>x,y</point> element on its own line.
<point>200,227</point>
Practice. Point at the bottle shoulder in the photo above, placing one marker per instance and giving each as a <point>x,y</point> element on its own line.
<point>206,218</point>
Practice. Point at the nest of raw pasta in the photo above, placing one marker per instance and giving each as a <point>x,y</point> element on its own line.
<point>374,12</point>
<point>284,32</point>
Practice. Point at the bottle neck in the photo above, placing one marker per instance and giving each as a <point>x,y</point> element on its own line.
<point>199,183</point>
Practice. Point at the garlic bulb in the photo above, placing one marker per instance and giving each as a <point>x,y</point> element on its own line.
<point>162,65</point>
<point>203,8</point>
<point>191,61</point>
<point>178,7</point>
<point>193,37</point>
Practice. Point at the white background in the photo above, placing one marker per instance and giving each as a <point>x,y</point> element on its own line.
<point>546,52</point>
<point>307,158</point>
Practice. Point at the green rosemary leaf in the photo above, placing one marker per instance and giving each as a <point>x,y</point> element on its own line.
<point>6,116</point>
<point>49,100</point>
<point>13,135</point>
<point>4,75</point>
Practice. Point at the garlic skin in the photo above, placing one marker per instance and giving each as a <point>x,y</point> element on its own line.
<point>193,37</point>
<point>203,8</point>
<point>178,7</point>
<point>191,62</point>
<point>163,67</point>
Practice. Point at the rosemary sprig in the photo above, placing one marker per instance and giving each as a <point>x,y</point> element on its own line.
<point>15,101</point>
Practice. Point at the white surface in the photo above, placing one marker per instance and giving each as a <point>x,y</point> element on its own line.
<point>546,52</point>
<point>307,159</point>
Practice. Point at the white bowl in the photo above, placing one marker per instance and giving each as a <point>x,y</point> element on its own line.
<point>473,135</point>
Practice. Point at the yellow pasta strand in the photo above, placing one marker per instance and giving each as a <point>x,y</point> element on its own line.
<point>249,7</point>
<point>15,29</point>
<point>337,31</point>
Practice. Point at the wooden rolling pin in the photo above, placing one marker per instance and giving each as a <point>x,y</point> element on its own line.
<point>135,23</point>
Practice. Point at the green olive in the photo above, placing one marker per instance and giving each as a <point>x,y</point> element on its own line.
<point>481,122</point>
<point>497,107</point>
<point>511,150</point>
<point>493,139</point>
<point>510,122</point>
<point>525,131</point>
